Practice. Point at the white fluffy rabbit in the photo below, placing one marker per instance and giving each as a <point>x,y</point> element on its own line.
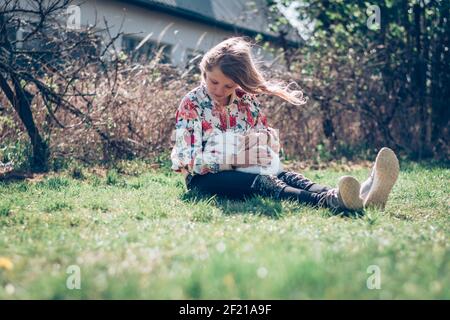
<point>224,144</point>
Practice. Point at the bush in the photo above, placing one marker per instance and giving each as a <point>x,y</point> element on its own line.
<point>77,172</point>
<point>137,121</point>
<point>17,152</point>
<point>54,183</point>
<point>5,209</point>
<point>112,177</point>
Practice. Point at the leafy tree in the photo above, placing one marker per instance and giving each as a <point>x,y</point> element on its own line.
<point>396,76</point>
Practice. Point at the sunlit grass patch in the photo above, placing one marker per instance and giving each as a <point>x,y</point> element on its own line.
<point>138,233</point>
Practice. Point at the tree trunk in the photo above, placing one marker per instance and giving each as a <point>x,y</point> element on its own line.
<point>21,102</point>
<point>440,73</point>
<point>327,124</point>
<point>420,78</point>
<point>23,108</point>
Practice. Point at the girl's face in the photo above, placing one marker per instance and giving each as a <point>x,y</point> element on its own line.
<point>219,86</point>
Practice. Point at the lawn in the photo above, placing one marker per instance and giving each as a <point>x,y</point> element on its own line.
<point>134,232</point>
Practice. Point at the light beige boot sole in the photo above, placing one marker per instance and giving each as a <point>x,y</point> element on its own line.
<point>349,193</point>
<point>385,175</point>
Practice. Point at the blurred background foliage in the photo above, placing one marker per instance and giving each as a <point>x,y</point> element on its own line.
<point>367,85</point>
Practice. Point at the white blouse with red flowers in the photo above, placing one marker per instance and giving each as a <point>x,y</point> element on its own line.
<point>196,118</point>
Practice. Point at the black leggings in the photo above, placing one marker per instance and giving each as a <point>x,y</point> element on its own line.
<point>236,184</point>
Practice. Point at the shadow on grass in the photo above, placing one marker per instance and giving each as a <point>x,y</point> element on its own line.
<point>237,205</point>
<point>255,204</point>
<point>15,176</point>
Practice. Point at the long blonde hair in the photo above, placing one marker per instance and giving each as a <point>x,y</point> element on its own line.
<point>233,57</point>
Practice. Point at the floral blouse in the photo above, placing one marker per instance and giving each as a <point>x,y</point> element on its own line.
<point>196,118</point>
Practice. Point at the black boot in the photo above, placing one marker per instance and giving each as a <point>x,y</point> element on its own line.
<point>268,186</point>
<point>299,181</point>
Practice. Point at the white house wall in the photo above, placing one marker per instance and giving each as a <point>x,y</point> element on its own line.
<point>181,33</point>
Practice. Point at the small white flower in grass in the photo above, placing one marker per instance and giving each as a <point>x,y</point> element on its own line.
<point>9,288</point>
<point>221,247</point>
<point>204,255</point>
<point>262,272</point>
<point>154,253</point>
<point>112,270</point>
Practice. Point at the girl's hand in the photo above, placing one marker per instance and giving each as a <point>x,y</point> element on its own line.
<point>256,155</point>
<point>253,139</point>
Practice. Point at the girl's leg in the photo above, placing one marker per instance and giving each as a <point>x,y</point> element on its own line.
<point>302,196</point>
<point>240,184</point>
<point>345,197</point>
<point>299,181</point>
<point>271,186</point>
<point>237,184</point>
<point>230,183</point>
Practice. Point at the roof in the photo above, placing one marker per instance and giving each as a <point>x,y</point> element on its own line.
<point>246,17</point>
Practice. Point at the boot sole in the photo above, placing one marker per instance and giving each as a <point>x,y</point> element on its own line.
<point>349,192</point>
<point>386,173</point>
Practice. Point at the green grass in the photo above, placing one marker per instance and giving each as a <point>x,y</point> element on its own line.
<point>142,236</point>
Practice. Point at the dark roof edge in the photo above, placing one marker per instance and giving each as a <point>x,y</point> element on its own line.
<point>183,13</point>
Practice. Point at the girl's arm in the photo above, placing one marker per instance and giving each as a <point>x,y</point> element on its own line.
<point>261,126</point>
<point>187,154</point>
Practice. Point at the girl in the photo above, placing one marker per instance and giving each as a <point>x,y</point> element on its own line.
<point>226,101</point>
